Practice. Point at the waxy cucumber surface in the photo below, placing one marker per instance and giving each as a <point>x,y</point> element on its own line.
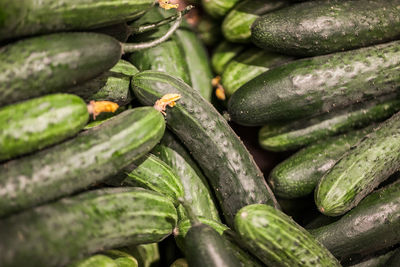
<point>90,157</point>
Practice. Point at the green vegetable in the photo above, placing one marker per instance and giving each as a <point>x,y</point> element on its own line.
<point>222,55</point>
<point>95,261</point>
<point>218,8</point>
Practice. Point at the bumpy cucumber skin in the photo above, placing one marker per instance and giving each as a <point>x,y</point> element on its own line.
<point>298,175</point>
<point>248,65</point>
<point>112,85</point>
<point>92,156</point>
<point>196,191</point>
<point>301,133</point>
<point>322,27</point>
<point>222,55</point>
<point>156,175</point>
<point>360,170</point>
<point>279,241</point>
<point>231,170</point>
<point>52,63</point>
<point>373,225</point>
<point>236,25</point>
<point>40,122</point>
<point>218,8</point>
<point>94,261</point>
<point>30,17</point>
<point>75,227</point>
<point>312,86</point>
<point>168,57</point>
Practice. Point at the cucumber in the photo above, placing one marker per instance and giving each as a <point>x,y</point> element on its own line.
<point>154,174</point>
<point>222,54</point>
<point>294,135</point>
<point>167,57</point>
<point>71,166</point>
<point>121,258</point>
<point>30,17</point>
<point>307,29</point>
<point>95,261</point>
<point>180,263</point>
<point>112,85</point>
<point>209,30</point>
<point>218,8</point>
<point>377,261</point>
<point>312,86</point>
<point>195,187</point>
<point>277,240</point>
<point>248,65</point>
<point>52,63</point>
<point>394,260</point>
<point>75,227</point>
<point>147,255</point>
<point>360,170</point>
<point>231,170</point>
<point>40,122</point>
<point>373,225</point>
<point>237,23</point>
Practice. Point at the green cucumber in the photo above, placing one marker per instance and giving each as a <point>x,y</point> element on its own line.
<point>209,30</point>
<point>91,157</point>
<point>121,258</point>
<point>95,261</point>
<point>277,240</point>
<point>112,85</point>
<point>313,86</point>
<point>195,187</point>
<point>40,122</point>
<point>248,65</point>
<point>236,25</point>
<point>167,57</point>
<point>223,54</point>
<point>52,63</point>
<point>30,17</point>
<point>231,170</point>
<point>294,135</point>
<point>75,227</point>
<point>373,225</point>
<point>360,170</point>
<point>322,27</point>
<point>298,175</point>
<point>180,263</point>
<point>376,261</point>
<point>154,174</point>
<point>147,255</point>
<point>218,8</point>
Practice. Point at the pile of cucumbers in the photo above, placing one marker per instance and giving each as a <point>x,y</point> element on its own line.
<point>117,147</point>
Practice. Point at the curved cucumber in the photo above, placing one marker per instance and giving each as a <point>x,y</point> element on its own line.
<point>294,135</point>
<point>313,86</point>
<point>31,17</point>
<point>231,170</point>
<point>360,170</point>
<point>373,225</point>
<point>277,240</point>
<point>91,157</point>
<point>92,221</point>
<point>222,54</point>
<point>52,63</point>
<point>307,29</point>
<point>40,122</point>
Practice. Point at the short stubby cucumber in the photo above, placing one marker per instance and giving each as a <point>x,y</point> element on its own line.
<point>31,17</point>
<point>231,170</point>
<point>312,86</point>
<point>223,54</point>
<point>90,157</point>
<point>277,240</point>
<point>74,227</point>
<point>40,122</point>
<point>218,8</point>
<point>360,170</point>
<point>322,27</point>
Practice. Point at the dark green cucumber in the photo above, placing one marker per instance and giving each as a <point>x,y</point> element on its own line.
<point>373,225</point>
<point>112,85</point>
<point>52,63</point>
<point>91,157</point>
<point>195,187</point>
<point>322,27</point>
<point>95,261</point>
<point>30,17</point>
<point>298,175</point>
<point>75,227</point>
<point>222,54</point>
<point>218,8</point>
<point>312,86</point>
<point>279,241</point>
<point>360,170</point>
<point>231,170</point>
<point>236,25</point>
<point>248,65</point>
<point>294,135</point>
<point>376,261</point>
<point>40,122</point>
<point>154,174</point>
<point>167,57</point>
